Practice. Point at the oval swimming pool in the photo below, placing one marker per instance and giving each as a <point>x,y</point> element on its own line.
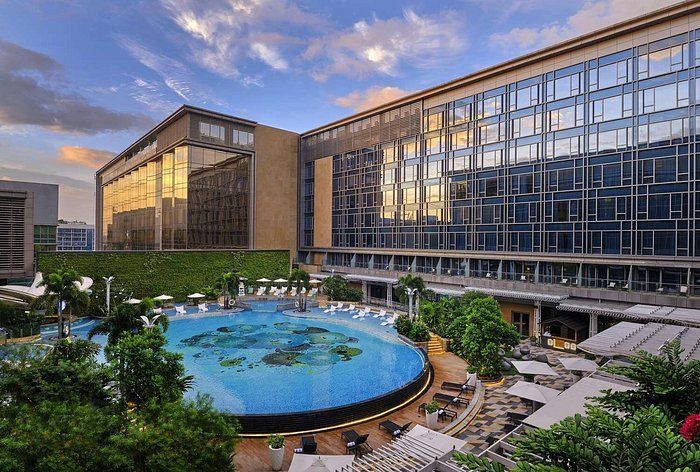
<point>265,362</point>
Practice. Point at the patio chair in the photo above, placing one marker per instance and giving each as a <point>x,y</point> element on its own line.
<point>451,399</point>
<point>180,310</point>
<point>457,386</point>
<point>308,445</point>
<point>355,443</point>
<point>393,428</point>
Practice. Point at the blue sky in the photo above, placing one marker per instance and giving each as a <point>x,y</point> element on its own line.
<point>82,79</point>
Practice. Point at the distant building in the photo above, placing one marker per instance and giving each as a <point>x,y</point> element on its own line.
<point>75,236</point>
<point>28,221</point>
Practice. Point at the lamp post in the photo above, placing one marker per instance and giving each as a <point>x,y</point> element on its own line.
<point>410,292</point>
<point>108,282</point>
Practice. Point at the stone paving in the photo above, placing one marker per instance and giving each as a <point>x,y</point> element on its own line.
<point>492,419</point>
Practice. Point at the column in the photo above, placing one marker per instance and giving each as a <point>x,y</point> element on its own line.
<point>538,319</point>
<point>592,325</point>
<point>389,290</point>
<point>365,295</point>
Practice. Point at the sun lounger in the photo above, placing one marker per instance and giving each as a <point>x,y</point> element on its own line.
<point>451,399</point>
<point>260,291</point>
<point>157,311</point>
<point>202,308</point>
<point>456,386</point>
<point>293,293</point>
<point>394,428</point>
<point>363,313</point>
<point>381,314</point>
<point>354,442</point>
<point>180,310</point>
<point>339,306</point>
<point>329,310</point>
<point>303,290</point>
<point>313,292</point>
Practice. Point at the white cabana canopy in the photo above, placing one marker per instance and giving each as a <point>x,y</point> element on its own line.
<point>196,295</point>
<point>163,298</point>
<point>439,441</point>
<point>533,391</point>
<point>280,281</point>
<point>133,301</point>
<point>316,463</point>
<point>264,280</point>
<point>572,401</point>
<point>314,281</point>
<point>578,364</point>
<point>533,368</point>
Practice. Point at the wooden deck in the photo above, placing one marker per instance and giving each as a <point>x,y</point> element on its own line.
<point>252,454</point>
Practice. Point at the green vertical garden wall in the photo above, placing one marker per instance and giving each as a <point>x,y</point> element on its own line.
<point>175,273</point>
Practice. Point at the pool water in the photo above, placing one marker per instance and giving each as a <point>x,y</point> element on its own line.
<point>262,361</point>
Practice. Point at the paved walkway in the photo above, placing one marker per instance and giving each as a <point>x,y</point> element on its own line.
<point>491,420</point>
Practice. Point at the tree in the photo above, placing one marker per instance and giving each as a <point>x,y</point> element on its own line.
<point>336,288</point>
<point>60,286</point>
<point>146,372</point>
<point>126,318</point>
<point>663,380</point>
<point>69,372</point>
<point>414,284</point>
<point>486,332</point>
<point>228,283</point>
<point>299,278</point>
<point>601,441</point>
<point>19,322</point>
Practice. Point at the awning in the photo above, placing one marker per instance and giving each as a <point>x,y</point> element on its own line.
<point>532,391</point>
<point>534,368</point>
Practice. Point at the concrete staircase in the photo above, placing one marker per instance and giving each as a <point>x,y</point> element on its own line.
<point>435,345</point>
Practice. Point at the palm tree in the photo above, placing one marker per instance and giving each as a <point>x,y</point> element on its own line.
<point>61,287</point>
<point>228,281</point>
<point>299,278</point>
<point>413,284</point>
<point>127,319</point>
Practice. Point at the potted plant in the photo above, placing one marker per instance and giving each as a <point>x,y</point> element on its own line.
<point>431,414</point>
<point>276,444</point>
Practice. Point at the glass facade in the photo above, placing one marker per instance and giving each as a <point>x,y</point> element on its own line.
<point>192,197</point>
<point>595,159</point>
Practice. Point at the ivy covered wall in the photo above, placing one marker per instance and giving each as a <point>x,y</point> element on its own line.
<point>175,273</point>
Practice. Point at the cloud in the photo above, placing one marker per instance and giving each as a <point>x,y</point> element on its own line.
<point>151,94</point>
<point>383,46</point>
<point>223,33</point>
<point>593,15</point>
<point>27,99</point>
<point>370,98</point>
<point>84,156</point>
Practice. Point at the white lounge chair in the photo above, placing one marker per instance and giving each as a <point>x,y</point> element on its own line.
<point>329,310</point>
<point>313,292</point>
<point>303,290</point>
<point>293,293</point>
<point>363,313</point>
<point>339,306</point>
<point>202,308</point>
<point>157,311</point>
<point>381,314</point>
<point>180,310</point>
<point>351,308</point>
<point>389,321</point>
<point>260,291</point>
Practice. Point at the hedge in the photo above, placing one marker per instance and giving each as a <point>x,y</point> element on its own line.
<point>175,273</point>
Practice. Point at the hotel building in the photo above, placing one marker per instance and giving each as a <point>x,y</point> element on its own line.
<point>563,181</point>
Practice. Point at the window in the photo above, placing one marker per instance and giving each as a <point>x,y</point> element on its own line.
<point>526,97</point>
<point>611,108</point>
<point>663,61</point>
<point>491,106</point>
<point>566,117</point>
<point>521,321</point>
<point>664,131</point>
<point>664,97</point>
<point>492,133</point>
<point>526,126</point>
<point>610,75</point>
<point>564,87</point>
<point>208,130</point>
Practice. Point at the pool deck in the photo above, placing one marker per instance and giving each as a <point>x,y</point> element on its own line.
<point>252,454</point>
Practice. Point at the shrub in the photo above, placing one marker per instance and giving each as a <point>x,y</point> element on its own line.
<point>275,441</point>
<point>350,294</point>
<point>18,322</point>
<point>175,273</point>
<point>403,325</point>
<point>419,332</point>
<point>336,288</point>
<point>455,332</point>
<point>432,407</point>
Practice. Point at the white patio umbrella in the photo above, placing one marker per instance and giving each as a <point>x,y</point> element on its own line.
<point>532,391</point>
<point>578,364</point>
<point>533,368</point>
<point>264,280</point>
<point>163,298</point>
<point>196,295</point>
<point>133,301</point>
<point>315,281</point>
<point>316,463</point>
<point>280,281</point>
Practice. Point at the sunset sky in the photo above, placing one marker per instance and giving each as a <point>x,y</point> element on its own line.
<point>81,80</point>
